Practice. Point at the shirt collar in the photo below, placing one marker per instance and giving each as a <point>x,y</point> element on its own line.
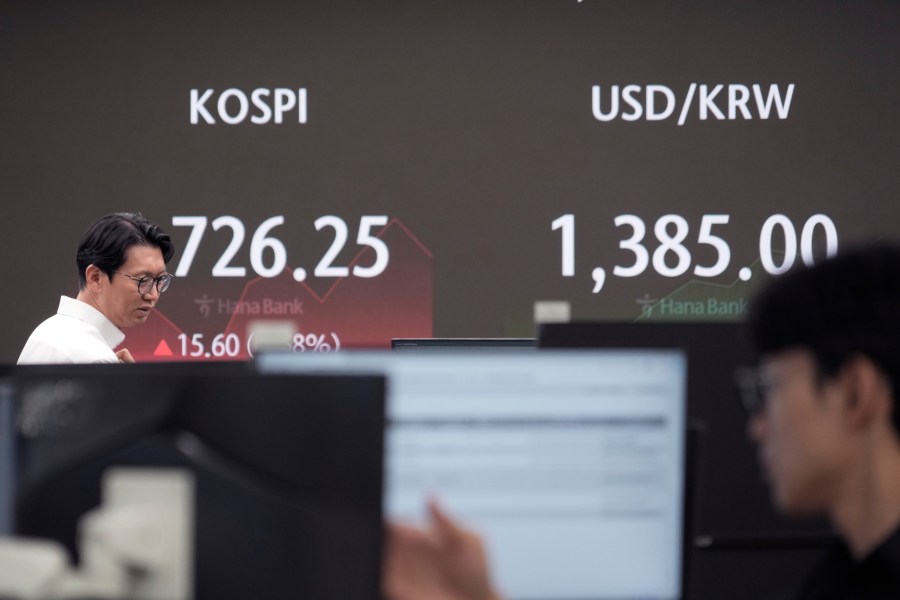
<point>83,311</point>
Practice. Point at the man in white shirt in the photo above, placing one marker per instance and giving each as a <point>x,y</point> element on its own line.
<point>122,273</point>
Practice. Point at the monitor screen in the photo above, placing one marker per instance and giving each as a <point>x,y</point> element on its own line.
<point>570,464</point>
<point>7,452</point>
<point>459,344</point>
<point>287,470</point>
<point>741,509</point>
<point>734,524</point>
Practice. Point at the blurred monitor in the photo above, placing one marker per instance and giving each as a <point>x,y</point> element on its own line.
<point>462,344</point>
<point>570,463</point>
<point>7,456</point>
<point>736,533</point>
<point>732,502</point>
<point>287,469</point>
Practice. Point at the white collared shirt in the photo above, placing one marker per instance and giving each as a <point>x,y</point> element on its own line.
<point>77,333</point>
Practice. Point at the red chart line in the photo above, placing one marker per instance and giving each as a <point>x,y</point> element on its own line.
<point>322,299</point>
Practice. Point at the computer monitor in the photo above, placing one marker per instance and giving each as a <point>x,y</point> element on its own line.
<point>732,501</point>
<point>463,344</point>
<point>570,464</point>
<point>7,456</point>
<point>287,469</point>
<point>734,524</point>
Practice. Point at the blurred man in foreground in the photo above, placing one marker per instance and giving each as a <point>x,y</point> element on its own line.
<point>823,410</point>
<point>826,417</point>
<point>122,272</point>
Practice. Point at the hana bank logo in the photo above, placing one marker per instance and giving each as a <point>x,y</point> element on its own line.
<point>266,307</point>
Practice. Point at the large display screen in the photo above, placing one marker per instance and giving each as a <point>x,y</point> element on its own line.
<point>369,170</point>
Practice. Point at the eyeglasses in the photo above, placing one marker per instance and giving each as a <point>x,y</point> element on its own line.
<point>755,386</point>
<point>753,389</point>
<point>145,284</point>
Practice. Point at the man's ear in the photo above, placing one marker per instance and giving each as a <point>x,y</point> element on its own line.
<point>867,392</point>
<point>94,277</point>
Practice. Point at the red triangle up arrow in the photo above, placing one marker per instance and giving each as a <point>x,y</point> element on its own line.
<point>162,349</point>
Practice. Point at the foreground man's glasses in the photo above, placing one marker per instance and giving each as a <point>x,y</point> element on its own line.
<point>145,284</point>
<point>753,389</point>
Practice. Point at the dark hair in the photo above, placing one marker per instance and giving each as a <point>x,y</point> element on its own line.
<point>846,306</point>
<point>106,242</point>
